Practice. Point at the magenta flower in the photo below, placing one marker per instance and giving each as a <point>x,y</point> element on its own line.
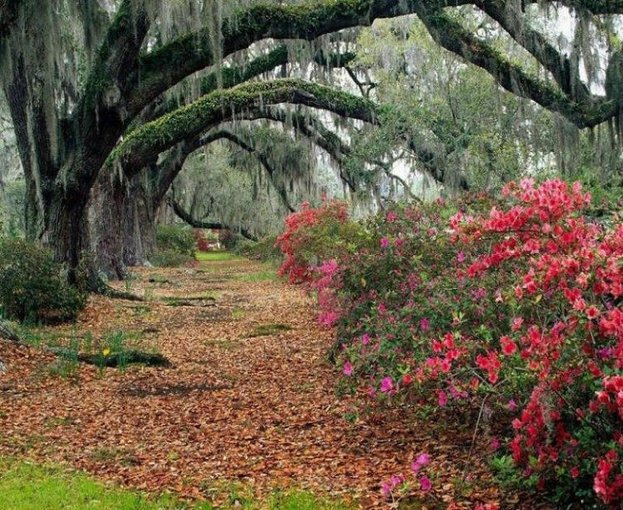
<point>365,339</point>
<point>348,368</point>
<point>391,216</point>
<point>442,398</point>
<point>386,490</point>
<point>460,257</point>
<point>422,461</point>
<point>387,385</point>
<point>512,405</point>
<point>425,324</point>
<point>384,242</point>
<point>425,484</point>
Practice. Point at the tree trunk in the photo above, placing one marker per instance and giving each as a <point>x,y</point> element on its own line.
<point>122,223</point>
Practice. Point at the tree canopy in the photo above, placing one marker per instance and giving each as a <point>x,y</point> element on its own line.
<point>108,99</point>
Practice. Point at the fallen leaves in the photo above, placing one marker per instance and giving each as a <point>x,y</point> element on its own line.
<point>236,405</point>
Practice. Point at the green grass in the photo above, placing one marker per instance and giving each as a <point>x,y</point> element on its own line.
<point>25,485</point>
<point>215,256</point>
<point>259,276</point>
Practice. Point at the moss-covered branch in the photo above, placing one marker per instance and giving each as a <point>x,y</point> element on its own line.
<point>172,62</point>
<point>511,19</point>
<point>233,75</point>
<point>454,37</point>
<point>155,137</point>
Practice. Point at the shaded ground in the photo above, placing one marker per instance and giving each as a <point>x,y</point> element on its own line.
<point>250,400</point>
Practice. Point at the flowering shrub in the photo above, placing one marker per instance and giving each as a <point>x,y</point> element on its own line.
<point>515,303</point>
<point>312,236</point>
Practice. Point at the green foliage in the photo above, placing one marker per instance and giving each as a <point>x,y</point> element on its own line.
<point>175,246</point>
<point>263,250</point>
<point>170,258</point>
<point>176,238</point>
<point>32,286</point>
<point>12,208</point>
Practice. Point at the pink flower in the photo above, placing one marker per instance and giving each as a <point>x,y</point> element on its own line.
<point>425,324</point>
<point>365,339</point>
<point>460,257</point>
<point>495,443</point>
<point>384,242</point>
<point>443,398</point>
<point>386,490</point>
<point>387,385</point>
<point>348,368</point>
<point>512,405</point>
<point>425,484</point>
<point>423,459</point>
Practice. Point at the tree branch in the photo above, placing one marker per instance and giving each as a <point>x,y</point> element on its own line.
<point>169,64</point>
<point>452,36</point>
<point>193,222</point>
<point>147,142</point>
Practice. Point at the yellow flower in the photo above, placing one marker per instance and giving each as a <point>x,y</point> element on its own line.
<point>106,351</point>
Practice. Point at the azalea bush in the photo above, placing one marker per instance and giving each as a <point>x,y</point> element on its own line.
<point>313,236</point>
<point>513,305</point>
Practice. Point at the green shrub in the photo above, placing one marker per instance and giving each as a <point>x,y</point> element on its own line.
<point>170,258</point>
<point>176,238</point>
<point>32,286</point>
<point>263,250</point>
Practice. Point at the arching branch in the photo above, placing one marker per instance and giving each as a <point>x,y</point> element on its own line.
<point>194,222</point>
<point>452,36</point>
<point>233,75</point>
<point>147,142</point>
<point>511,20</point>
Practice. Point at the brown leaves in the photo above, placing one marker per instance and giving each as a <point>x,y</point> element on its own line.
<point>237,405</point>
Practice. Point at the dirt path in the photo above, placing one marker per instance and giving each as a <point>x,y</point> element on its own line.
<point>249,400</point>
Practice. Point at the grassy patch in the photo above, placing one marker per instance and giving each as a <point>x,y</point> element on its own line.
<point>264,275</point>
<point>216,256</point>
<point>269,329</point>
<point>237,314</point>
<point>28,486</point>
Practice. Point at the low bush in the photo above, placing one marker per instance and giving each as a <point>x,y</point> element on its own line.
<point>32,286</point>
<point>513,305</point>
<point>263,250</point>
<point>175,238</point>
<point>170,258</point>
<point>175,246</point>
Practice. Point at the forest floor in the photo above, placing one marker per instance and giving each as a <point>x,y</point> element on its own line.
<point>250,404</point>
